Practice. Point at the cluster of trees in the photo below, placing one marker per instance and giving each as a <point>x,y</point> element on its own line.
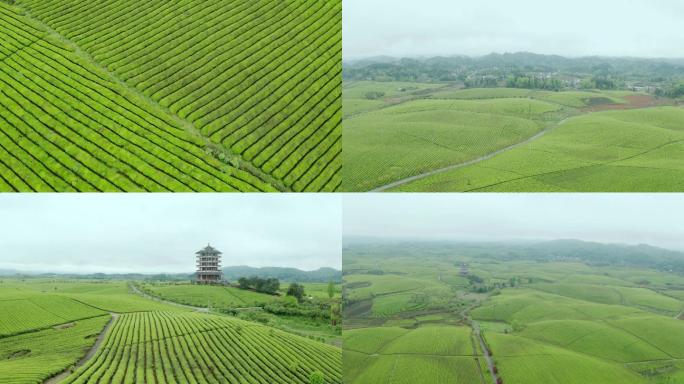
<point>526,70</point>
<point>534,82</point>
<point>600,82</point>
<point>374,95</point>
<point>291,308</point>
<point>477,284</point>
<point>674,91</point>
<point>269,285</point>
<point>321,275</point>
<point>486,81</point>
<point>296,290</point>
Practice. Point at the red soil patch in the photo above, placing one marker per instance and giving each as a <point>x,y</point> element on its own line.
<point>633,102</point>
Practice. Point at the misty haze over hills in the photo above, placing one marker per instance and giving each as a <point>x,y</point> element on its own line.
<point>641,255</point>
<point>637,28</point>
<point>232,273</point>
<point>460,67</point>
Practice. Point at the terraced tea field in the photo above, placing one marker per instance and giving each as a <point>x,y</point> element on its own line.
<point>208,296</point>
<point>307,319</point>
<point>200,348</point>
<point>77,331</point>
<point>430,354</point>
<point>170,96</point>
<point>550,322</point>
<point>500,139</point>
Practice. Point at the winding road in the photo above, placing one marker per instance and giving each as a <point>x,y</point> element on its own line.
<point>472,161</point>
<point>487,356</point>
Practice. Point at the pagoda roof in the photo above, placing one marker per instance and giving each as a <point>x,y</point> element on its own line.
<point>208,250</point>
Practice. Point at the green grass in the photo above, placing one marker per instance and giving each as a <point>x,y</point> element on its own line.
<point>408,369</point>
<point>421,135</point>
<point>47,325</point>
<point>392,304</point>
<point>633,150</point>
<point>595,338</point>
<point>249,304</point>
<point>37,310</point>
<point>182,96</point>
<point>356,100</point>
<point>427,354</point>
<point>33,357</point>
<point>317,290</point>
<point>522,361</point>
<point>483,93</point>
<point>209,296</point>
<point>563,323</point>
<point>381,285</point>
<point>437,127</point>
<point>433,340</point>
<point>97,296</point>
<point>665,333</point>
<point>637,297</point>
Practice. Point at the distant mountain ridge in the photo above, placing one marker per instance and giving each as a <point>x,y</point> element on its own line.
<point>232,273</point>
<point>592,253</point>
<point>321,275</point>
<point>453,68</point>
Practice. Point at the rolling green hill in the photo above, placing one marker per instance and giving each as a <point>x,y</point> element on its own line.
<point>84,331</point>
<point>438,137</point>
<point>558,312</point>
<point>170,96</point>
<point>191,347</point>
<point>632,150</point>
<point>430,354</point>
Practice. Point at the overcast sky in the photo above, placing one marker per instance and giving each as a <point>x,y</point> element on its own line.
<point>654,219</point>
<point>643,28</point>
<point>151,233</point>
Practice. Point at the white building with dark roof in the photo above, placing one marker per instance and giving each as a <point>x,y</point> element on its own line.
<point>208,266</point>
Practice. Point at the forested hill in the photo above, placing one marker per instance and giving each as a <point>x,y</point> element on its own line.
<point>321,275</point>
<point>455,68</point>
<point>543,251</point>
<point>598,253</point>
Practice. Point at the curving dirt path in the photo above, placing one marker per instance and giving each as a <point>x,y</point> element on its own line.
<point>487,355</point>
<point>89,355</point>
<point>470,162</point>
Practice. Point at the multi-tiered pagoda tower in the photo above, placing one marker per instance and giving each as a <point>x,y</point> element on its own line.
<point>209,266</point>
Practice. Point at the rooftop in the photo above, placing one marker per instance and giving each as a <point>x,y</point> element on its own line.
<point>208,250</point>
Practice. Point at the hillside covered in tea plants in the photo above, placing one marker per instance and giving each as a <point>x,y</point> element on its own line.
<point>170,95</point>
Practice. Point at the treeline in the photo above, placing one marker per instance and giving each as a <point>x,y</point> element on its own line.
<point>674,90</point>
<point>268,285</point>
<point>547,251</point>
<point>321,275</point>
<point>534,82</point>
<point>519,70</point>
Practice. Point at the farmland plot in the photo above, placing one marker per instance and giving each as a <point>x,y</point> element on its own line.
<point>199,348</point>
<point>430,354</point>
<point>551,322</point>
<point>170,96</point>
<point>634,150</point>
<point>35,356</point>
